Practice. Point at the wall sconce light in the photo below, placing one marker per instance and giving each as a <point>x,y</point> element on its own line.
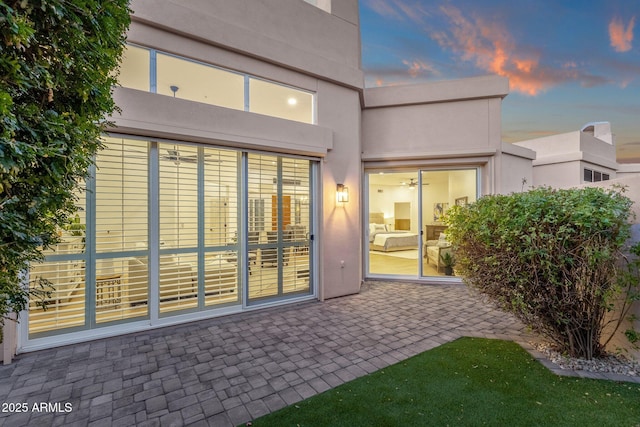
<point>342,193</point>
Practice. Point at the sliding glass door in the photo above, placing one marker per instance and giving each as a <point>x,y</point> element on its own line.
<point>169,228</point>
<point>198,216</point>
<point>279,227</point>
<point>441,189</point>
<point>393,227</point>
<point>406,234</point>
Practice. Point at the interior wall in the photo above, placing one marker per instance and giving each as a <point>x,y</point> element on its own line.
<point>383,197</point>
<point>462,183</point>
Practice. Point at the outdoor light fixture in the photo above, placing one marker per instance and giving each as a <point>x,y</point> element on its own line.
<point>342,193</point>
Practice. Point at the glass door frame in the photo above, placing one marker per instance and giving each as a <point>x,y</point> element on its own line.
<point>478,192</point>
<point>281,245</point>
<point>419,170</point>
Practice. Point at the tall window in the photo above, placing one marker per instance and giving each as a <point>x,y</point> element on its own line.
<point>93,269</point>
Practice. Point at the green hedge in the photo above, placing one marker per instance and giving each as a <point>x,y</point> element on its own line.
<point>548,256</point>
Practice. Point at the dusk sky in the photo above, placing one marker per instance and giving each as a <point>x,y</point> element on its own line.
<point>568,62</point>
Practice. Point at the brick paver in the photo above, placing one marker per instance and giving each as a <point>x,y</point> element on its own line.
<point>230,370</point>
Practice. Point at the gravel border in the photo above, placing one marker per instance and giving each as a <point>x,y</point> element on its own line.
<point>611,363</point>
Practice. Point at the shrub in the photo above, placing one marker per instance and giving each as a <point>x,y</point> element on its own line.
<point>547,256</point>
<point>58,65</point>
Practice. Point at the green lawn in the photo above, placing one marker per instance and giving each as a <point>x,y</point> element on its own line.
<point>468,382</point>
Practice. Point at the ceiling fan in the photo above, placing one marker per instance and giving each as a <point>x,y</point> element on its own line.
<point>174,155</point>
<point>412,183</point>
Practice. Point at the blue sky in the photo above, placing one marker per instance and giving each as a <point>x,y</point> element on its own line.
<point>568,62</point>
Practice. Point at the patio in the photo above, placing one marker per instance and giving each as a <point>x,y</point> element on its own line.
<point>230,370</point>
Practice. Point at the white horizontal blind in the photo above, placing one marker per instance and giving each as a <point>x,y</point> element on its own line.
<point>296,190</point>
<point>121,195</point>
<point>63,276</point>
<point>178,195</point>
<point>66,304</point>
<point>221,226</point>
<point>262,189</point>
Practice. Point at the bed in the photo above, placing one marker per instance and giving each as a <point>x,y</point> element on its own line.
<point>381,239</point>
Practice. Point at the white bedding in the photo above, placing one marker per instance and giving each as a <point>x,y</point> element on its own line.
<point>390,240</point>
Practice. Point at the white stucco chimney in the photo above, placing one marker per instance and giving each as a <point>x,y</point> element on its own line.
<point>600,130</point>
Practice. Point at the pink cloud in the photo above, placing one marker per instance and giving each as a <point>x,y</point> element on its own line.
<point>491,48</point>
<point>621,37</point>
<point>485,43</point>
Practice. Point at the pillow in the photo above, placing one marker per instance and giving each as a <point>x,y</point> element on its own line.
<point>442,238</point>
<point>377,228</point>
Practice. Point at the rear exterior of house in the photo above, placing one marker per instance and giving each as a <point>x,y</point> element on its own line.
<point>216,192</point>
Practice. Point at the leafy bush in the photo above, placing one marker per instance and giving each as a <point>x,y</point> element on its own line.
<point>57,65</point>
<point>549,257</point>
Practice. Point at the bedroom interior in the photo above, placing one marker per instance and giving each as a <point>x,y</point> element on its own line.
<point>406,233</point>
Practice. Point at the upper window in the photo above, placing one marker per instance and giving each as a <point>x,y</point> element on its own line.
<point>280,101</point>
<point>135,67</point>
<point>170,75</point>
<point>198,82</point>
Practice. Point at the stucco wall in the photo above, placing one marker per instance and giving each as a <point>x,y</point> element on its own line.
<point>554,144</point>
<point>290,42</point>
<point>341,226</point>
<point>557,174</point>
<point>453,118</point>
<point>290,33</point>
<point>516,170</point>
<point>560,159</point>
<point>151,115</point>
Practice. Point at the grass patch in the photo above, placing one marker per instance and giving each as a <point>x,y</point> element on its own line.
<point>466,382</point>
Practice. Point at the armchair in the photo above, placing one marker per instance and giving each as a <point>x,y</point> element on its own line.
<point>435,249</point>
